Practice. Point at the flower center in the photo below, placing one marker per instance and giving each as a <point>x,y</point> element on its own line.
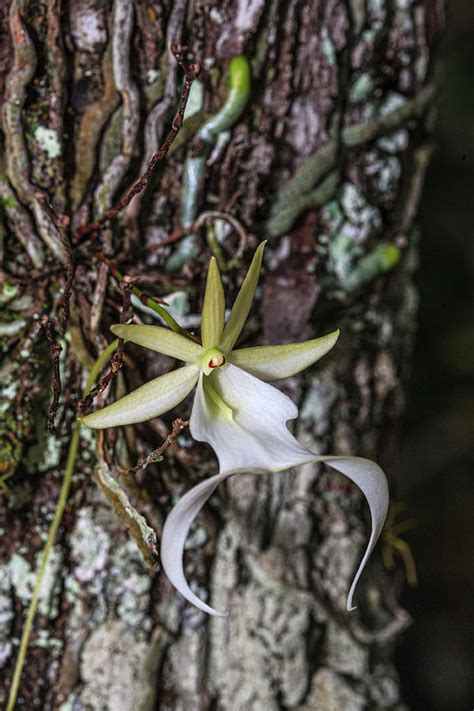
<point>214,358</point>
<point>216,361</point>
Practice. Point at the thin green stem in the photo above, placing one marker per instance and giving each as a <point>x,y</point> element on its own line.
<point>145,299</point>
<point>53,529</point>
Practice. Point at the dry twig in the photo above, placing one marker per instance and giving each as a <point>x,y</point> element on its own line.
<point>55,350</point>
<point>117,358</point>
<point>157,454</point>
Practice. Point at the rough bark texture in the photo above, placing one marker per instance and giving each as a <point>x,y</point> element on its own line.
<point>328,160</point>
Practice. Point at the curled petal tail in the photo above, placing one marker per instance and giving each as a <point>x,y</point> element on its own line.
<point>367,475</point>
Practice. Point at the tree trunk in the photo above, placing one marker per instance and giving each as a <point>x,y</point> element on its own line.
<point>327,161</point>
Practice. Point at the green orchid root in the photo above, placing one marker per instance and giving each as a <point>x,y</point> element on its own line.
<point>239,90</point>
<point>53,529</point>
<point>231,110</point>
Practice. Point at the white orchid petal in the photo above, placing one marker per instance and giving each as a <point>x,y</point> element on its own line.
<point>212,324</point>
<point>174,535</point>
<point>278,362</point>
<point>371,480</point>
<point>161,340</point>
<point>243,302</point>
<point>147,401</point>
<point>367,475</point>
<point>255,435</point>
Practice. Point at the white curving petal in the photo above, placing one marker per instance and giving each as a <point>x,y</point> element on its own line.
<point>243,302</point>
<point>161,340</point>
<point>367,475</point>
<point>249,429</point>
<point>147,401</point>
<point>174,535</point>
<point>278,362</point>
<point>371,480</point>
<point>212,318</point>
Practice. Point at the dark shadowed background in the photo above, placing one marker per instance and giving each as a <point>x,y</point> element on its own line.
<point>437,458</point>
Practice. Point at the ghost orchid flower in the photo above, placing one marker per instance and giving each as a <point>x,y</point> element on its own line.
<point>235,411</point>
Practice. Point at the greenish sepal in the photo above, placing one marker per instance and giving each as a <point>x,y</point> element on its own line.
<point>243,302</point>
<point>212,324</point>
<point>160,340</point>
<point>278,362</point>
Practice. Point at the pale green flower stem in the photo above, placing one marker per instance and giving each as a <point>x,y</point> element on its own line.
<point>53,529</point>
<point>152,304</point>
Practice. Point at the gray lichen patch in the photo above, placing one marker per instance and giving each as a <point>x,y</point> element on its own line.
<point>6,615</point>
<point>48,141</point>
<point>335,561</point>
<point>343,250</point>
<point>108,592</point>
<point>392,101</point>
<point>351,222</point>
<point>331,692</point>
<point>8,390</point>
<point>269,629</point>
<point>88,28</point>
<point>130,585</point>
<point>329,49</point>
<point>187,665</point>
<point>89,547</point>
<point>359,213</point>
<point>318,402</point>
<point>116,670</point>
<point>45,454</point>
<point>344,654</point>
<point>395,142</point>
<point>106,577</point>
<point>385,172</point>
<point>332,215</point>
<point>23,578</point>
<point>196,538</point>
<point>362,87</point>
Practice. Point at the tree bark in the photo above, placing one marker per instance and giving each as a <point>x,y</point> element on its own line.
<point>327,161</point>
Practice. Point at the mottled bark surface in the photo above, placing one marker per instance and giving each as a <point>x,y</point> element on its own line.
<point>328,161</point>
